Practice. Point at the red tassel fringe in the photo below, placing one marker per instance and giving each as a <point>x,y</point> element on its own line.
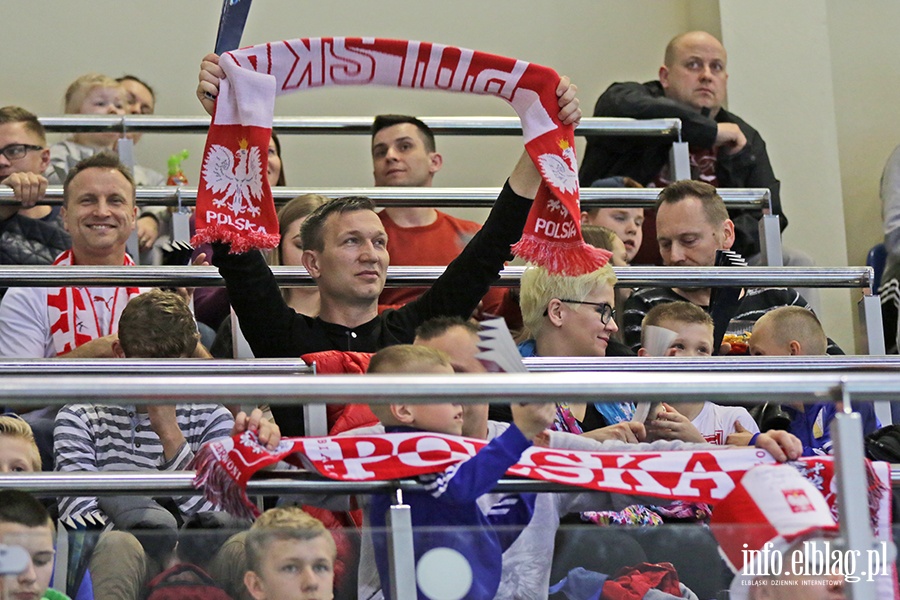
<point>241,242</point>
<point>219,487</point>
<point>561,258</point>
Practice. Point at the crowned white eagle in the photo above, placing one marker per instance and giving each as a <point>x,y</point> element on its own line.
<point>241,183</point>
<point>560,173</point>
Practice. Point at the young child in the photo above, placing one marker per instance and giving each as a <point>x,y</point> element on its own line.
<point>290,554</point>
<point>796,331</point>
<point>18,450</point>
<point>692,421</point>
<point>447,517</point>
<point>24,522</point>
<point>604,237</point>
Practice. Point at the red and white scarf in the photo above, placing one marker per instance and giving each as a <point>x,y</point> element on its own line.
<point>234,201</point>
<point>75,317</point>
<point>224,466</point>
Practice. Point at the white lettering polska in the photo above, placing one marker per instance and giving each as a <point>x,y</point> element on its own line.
<point>240,223</point>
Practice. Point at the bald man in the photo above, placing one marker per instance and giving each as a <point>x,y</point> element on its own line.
<point>725,151</point>
<point>796,331</point>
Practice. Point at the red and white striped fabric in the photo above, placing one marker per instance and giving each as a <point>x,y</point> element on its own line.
<point>234,201</point>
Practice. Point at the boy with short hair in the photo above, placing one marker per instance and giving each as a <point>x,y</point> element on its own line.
<point>692,421</point>
<point>24,522</point>
<point>796,331</point>
<point>107,437</point>
<point>449,511</point>
<point>18,450</point>
<point>99,437</point>
<point>290,554</point>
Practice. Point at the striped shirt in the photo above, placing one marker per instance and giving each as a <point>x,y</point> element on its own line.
<point>97,437</point>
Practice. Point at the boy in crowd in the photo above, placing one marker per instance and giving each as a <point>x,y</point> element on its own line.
<point>796,331</point>
<point>96,437</point>
<point>100,437</point>
<point>24,522</point>
<point>290,554</point>
<point>18,450</point>
<point>692,421</point>
<point>627,223</point>
<point>451,500</point>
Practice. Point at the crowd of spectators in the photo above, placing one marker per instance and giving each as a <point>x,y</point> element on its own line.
<point>346,244</point>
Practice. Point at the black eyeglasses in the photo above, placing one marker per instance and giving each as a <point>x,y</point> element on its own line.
<point>17,151</point>
<point>603,309</point>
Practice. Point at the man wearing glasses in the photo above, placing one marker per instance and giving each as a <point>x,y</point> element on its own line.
<point>29,234</point>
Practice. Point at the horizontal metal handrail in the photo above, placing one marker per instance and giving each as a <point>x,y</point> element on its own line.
<point>443,197</point>
<point>93,367</point>
<point>110,483</point>
<point>826,277</point>
<point>618,386</point>
<point>180,483</point>
<point>354,125</point>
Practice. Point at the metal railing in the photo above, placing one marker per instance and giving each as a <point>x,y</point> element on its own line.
<point>94,367</point>
<point>475,197</point>
<point>618,386</point>
<point>191,276</point>
<point>354,125</point>
<point>850,474</point>
<point>871,331</point>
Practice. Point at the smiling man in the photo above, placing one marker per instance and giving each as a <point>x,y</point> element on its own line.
<point>725,151</point>
<point>99,213</point>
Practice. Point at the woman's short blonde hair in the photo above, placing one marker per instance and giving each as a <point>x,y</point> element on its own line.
<point>539,287</point>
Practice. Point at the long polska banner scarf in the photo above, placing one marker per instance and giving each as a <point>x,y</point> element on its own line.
<point>72,313</point>
<point>224,466</point>
<point>234,202</point>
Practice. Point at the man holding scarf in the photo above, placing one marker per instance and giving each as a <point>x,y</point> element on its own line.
<point>345,252</point>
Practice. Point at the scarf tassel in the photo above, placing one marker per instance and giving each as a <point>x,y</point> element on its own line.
<point>569,258</point>
<point>219,486</point>
<point>240,241</point>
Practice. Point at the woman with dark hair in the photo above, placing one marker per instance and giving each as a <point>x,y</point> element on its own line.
<point>275,172</point>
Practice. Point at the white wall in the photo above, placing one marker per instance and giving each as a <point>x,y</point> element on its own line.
<point>163,41</point>
<point>781,81</point>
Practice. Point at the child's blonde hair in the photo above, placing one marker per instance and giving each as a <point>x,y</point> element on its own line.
<point>403,358</point>
<point>679,312</point>
<point>17,427</point>
<point>407,358</point>
<point>81,87</point>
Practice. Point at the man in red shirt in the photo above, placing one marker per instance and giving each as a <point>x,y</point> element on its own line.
<point>404,155</point>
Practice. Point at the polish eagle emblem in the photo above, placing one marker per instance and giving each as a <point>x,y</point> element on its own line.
<point>560,171</point>
<point>240,183</point>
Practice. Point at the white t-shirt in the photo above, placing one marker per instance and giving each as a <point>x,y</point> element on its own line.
<point>716,422</point>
